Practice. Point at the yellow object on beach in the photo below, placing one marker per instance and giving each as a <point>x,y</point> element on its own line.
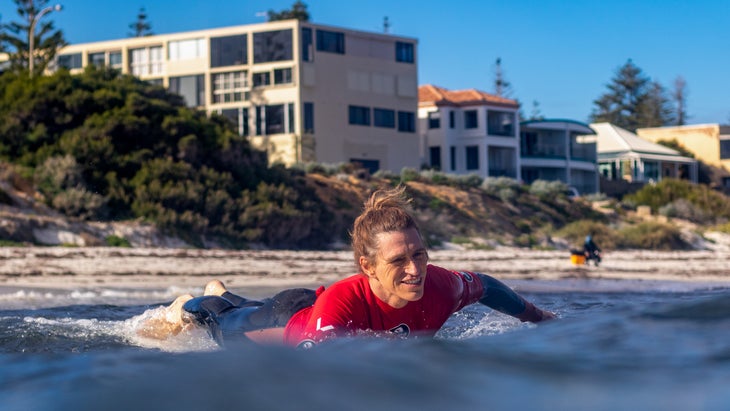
<point>577,259</point>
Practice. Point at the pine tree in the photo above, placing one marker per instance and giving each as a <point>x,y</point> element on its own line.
<point>15,36</point>
<point>633,101</point>
<point>502,87</point>
<point>298,11</point>
<point>679,95</point>
<point>142,26</point>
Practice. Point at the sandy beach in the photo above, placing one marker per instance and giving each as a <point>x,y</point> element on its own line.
<point>152,268</point>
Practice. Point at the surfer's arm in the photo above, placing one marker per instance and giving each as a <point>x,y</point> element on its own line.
<point>500,297</point>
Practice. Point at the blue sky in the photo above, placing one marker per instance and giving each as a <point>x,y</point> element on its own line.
<point>560,53</point>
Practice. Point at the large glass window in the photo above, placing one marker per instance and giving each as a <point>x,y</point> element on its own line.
<point>470,119</point>
<point>307,51</point>
<point>146,61</point>
<point>472,157</point>
<point>115,59</point>
<point>384,118</point>
<point>186,49</point>
<point>308,117</point>
<point>277,118</point>
<point>272,46</point>
<point>228,51</point>
<point>261,79</point>
<point>282,76</point>
<point>434,119</point>
<point>228,87</point>
<point>404,52</point>
<point>406,121</point>
<point>70,61</point>
<point>239,117</point>
<point>97,59</point>
<point>331,41</point>
<point>191,88</point>
<point>359,115</point>
<point>501,123</point>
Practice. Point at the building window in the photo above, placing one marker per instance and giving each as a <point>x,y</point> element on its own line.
<point>191,88</point>
<point>452,119</point>
<point>282,76</point>
<point>435,157</point>
<point>97,59</point>
<point>70,61</point>
<point>470,119</point>
<point>259,120</point>
<point>404,52</point>
<point>307,51</point>
<point>406,121</point>
<point>228,51</point>
<point>724,149</point>
<point>186,49</point>
<point>272,46</point>
<point>308,117</point>
<point>275,119</point>
<point>331,41</point>
<point>359,115</point>
<point>261,79</point>
<point>501,123</point>
<point>472,157</point>
<point>434,119</point>
<point>383,118</point>
<point>146,61</point>
<point>239,117</point>
<point>228,87</point>
<point>452,157</point>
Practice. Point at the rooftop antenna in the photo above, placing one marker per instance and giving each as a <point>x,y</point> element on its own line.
<point>386,24</point>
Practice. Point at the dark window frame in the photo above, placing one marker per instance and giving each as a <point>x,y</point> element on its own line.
<point>405,52</point>
<point>330,41</point>
<point>358,115</point>
<point>472,157</point>
<point>406,121</point>
<point>228,50</point>
<point>383,117</point>
<point>471,119</point>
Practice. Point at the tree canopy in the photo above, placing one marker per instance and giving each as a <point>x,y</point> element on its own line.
<point>14,36</point>
<point>141,27</point>
<point>101,145</point>
<point>633,101</point>
<point>298,11</point>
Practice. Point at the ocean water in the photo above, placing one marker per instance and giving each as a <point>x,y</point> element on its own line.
<point>618,345</point>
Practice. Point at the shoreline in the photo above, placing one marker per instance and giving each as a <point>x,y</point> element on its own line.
<point>156,268</point>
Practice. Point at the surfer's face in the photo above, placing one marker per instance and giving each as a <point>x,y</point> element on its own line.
<point>398,273</point>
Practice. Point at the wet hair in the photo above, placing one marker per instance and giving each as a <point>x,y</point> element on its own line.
<point>384,212</point>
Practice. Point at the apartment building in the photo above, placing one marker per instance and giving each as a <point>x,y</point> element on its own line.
<point>300,91</point>
<point>710,143</point>
<point>559,150</point>
<point>469,132</point>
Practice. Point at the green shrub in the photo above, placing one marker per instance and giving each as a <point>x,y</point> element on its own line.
<point>116,241</point>
<point>652,236</point>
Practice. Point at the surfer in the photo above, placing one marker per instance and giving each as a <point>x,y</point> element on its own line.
<point>396,292</point>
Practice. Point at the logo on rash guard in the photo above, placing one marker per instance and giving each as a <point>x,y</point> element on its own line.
<point>401,330</point>
<point>467,276</point>
<point>325,328</point>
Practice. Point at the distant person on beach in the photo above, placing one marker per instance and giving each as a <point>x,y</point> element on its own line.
<point>396,292</point>
<point>591,250</point>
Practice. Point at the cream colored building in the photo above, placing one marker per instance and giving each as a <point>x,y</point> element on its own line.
<point>710,143</point>
<point>301,91</point>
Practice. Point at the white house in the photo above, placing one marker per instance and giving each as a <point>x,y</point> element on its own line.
<point>469,131</point>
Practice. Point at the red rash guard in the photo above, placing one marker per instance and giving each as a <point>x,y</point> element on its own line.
<point>349,306</point>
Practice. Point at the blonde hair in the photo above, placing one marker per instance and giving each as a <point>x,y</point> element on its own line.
<point>385,211</point>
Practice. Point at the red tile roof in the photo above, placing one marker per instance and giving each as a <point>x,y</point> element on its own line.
<point>430,95</point>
